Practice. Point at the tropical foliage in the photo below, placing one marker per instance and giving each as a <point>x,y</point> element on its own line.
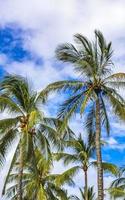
<point>39,140</point>
<point>81,156</point>
<point>27,124</point>
<point>90,195</point>
<point>38,180</point>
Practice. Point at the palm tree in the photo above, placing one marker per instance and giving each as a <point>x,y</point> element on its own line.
<point>81,156</point>
<point>27,124</point>
<point>90,195</point>
<point>96,89</point>
<point>117,188</point>
<point>40,183</point>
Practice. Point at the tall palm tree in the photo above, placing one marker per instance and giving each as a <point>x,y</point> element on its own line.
<point>26,124</point>
<point>96,87</point>
<point>40,183</point>
<point>117,188</point>
<point>81,155</point>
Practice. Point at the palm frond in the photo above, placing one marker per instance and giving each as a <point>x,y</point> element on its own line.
<point>70,106</point>
<point>87,97</point>
<point>66,177</point>
<point>7,124</point>
<point>117,103</point>
<point>10,170</point>
<point>117,77</point>
<point>63,86</point>
<point>107,167</point>
<point>104,116</point>
<point>118,182</point>
<point>10,105</point>
<point>116,192</point>
<point>86,44</point>
<point>89,121</point>
<point>67,158</point>
<point>67,53</point>
<point>5,142</point>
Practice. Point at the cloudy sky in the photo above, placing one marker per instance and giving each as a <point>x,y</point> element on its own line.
<point>29,33</point>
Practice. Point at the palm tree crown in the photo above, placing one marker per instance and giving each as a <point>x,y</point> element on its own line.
<point>82,156</point>
<point>27,124</point>
<point>39,182</point>
<point>92,60</point>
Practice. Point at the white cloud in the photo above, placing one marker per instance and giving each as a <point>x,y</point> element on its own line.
<point>39,75</point>
<point>51,22</point>
<point>112,141</point>
<point>118,128</point>
<point>118,146</point>
<point>76,125</point>
<point>3,59</point>
<point>56,21</point>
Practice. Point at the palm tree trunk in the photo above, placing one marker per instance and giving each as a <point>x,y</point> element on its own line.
<point>98,153</point>
<point>86,184</point>
<point>20,194</point>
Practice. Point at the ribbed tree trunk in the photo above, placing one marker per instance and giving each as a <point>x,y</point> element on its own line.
<point>98,153</point>
<point>86,184</point>
<point>20,193</point>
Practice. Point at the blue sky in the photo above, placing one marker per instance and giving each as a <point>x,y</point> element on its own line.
<point>29,33</point>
